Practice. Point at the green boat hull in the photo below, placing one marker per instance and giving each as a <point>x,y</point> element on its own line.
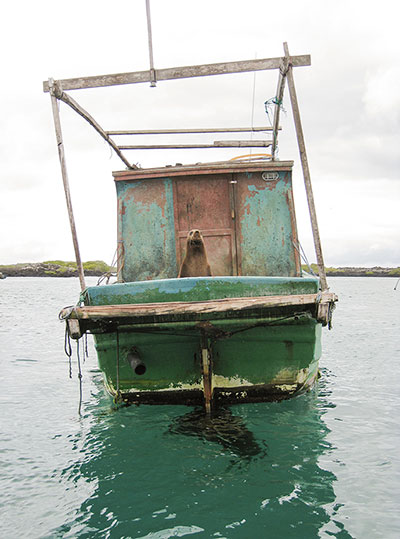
<point>255,355</point>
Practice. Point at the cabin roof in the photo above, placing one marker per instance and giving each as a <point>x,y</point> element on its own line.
<point>222,167</point>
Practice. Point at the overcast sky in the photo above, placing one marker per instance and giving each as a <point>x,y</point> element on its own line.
<point>349,102</point>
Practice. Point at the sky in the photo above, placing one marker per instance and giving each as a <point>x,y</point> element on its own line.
<point>349,102</point>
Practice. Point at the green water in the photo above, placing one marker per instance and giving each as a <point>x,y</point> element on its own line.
<point>321,465</point>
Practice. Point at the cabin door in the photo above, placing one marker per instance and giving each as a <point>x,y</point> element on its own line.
<point>206,203</point>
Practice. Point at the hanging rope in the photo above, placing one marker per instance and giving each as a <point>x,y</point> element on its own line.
<point>118,398</point>
<point>303,256</point>
<point>270,105</point>
<point>79,377</point>
<point>68,349</point>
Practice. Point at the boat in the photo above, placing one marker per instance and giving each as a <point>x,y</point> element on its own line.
<point>248,332</point>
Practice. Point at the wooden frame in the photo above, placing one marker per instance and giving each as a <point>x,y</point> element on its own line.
<point>284,64</point>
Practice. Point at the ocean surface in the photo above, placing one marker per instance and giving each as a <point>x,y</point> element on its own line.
<point>325,464</point>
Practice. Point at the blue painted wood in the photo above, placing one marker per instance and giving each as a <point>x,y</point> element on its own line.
<point>146,229</point>
<point>257,233</point>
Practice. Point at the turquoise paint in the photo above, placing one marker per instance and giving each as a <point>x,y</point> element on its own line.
<point>266,241</point>
<point>146,226</point>
<point>198,289</point>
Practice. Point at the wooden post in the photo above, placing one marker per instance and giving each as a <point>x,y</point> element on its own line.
<point>150,37</point>
<point>278,102</point>
<point>207,373</point>
<point>306,171</point>
<point>62,96</point>
<point>61,155</point>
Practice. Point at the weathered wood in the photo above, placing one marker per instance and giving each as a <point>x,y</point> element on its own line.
<point>62,96</point>
<point>191,131</point>
<point>193,307</point>
<point>64,173</point>
<point>206,364</point>
<point>178,73</point>
<point>150,39</point>
<point>278,103</point>
<point>306,171</point>
<point>217,144</point>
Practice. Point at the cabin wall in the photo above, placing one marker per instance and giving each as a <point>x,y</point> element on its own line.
<point>146,231</point>
<point>266,226</point>
<point>247,220</point>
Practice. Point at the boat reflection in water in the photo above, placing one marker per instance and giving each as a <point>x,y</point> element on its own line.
<point>148,472</point>
<point>222,427</point>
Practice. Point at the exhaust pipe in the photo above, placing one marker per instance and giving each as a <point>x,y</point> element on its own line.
<point>136,362</point>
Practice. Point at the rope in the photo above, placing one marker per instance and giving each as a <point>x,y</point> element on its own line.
<point>79,377</point>
<point>269,105</point>
<point>303,255</point>
<point>253,157</point>
<point>118,395</point>
<point>115,262</point>
<point>68,349</point>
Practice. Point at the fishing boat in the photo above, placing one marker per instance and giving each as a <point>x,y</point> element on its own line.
<point>247,331</point>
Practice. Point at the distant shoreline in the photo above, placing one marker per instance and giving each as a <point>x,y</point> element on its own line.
<point>59,268</point>
<point>54,268</point>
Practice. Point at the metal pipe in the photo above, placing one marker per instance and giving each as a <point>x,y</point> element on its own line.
<point>135,361</point>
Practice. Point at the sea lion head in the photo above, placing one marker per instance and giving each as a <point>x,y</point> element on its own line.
<point>195,238</point>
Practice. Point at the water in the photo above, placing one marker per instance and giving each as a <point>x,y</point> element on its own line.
<point>326,464</point>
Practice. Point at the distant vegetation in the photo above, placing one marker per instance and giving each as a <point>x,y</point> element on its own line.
<point>54,268</point>
<point>61,268</point>
<point>376,271</point>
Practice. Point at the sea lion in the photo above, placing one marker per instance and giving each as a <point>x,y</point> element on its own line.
<point>195,263</point>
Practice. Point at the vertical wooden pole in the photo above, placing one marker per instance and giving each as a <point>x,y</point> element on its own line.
<point>306,172</point>
<point>278,102</point>
<point>150,38</point>
<point>61,156</point>
<point>207,373</point>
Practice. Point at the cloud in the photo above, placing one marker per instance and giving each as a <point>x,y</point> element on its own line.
<point>348,99</point>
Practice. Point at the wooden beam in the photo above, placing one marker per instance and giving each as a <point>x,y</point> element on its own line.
<point>191,131</point>
<point>63,164</point>
<point>306,171</point>
<point>278,103</point>
<point>217,144</point>
<point>194,307</point>
<point>150,39</point>
<point>178,73</point>
<point>62,96</point>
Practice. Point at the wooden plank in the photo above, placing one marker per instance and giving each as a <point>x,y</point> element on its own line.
<point>306,172</point>
<point>194,307</point>
<point>178,73</point>
<point>150,39</point>
<point>278,102</point>
<point>63,164</point>
<point>191,131</point>
<point>217,144</point>
<point>62,96</point>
